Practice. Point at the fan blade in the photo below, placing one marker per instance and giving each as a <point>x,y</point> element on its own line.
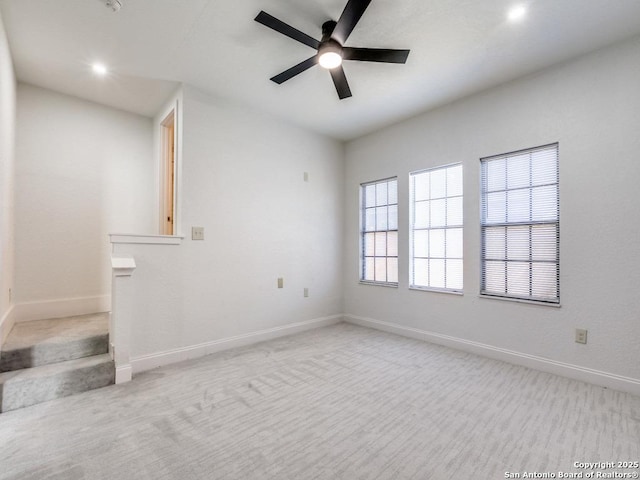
<point>295,70</point>
<point>340,81</point>
<point>375,55</point>
<point>279,26</point>
<point>348,20</point>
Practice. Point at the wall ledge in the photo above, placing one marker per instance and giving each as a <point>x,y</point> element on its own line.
<point>146,239</point>
<point>575,372</point>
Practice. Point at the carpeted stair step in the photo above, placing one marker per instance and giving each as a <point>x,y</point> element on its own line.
<point>42,342</point>
<point>21,388</point>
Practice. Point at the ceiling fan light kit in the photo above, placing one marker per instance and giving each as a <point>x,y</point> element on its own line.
<point>330,55</point>
<point>331,50</point>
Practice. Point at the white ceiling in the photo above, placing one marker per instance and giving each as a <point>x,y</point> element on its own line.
<point>457,47</point>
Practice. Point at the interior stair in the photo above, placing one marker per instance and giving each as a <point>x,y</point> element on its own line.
<point>46,359</point>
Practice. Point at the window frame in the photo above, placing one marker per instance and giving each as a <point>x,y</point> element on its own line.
<point>485,225</point>
<point>364,232</point>
<point>412,228</point>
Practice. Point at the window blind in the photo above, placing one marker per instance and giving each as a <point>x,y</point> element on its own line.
<point>520,225</point>
<point>436,229</point>
<point>379,232</point>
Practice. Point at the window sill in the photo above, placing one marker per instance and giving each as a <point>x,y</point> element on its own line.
<point>436,290</point>
<point>378,284</point>
<point>519,300</point>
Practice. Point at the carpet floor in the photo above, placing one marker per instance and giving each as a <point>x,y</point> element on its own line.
<point>341,402</point>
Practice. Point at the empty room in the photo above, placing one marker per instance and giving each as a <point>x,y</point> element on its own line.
<point>317,240</point>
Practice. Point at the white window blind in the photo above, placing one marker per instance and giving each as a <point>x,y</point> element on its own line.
<point>520,225</point>
<point>379,233</point>
<point>436,229</point>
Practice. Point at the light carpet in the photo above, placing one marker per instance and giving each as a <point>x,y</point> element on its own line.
<point>341,402</point>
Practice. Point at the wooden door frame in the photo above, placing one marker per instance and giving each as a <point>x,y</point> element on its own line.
<point>168,174</point>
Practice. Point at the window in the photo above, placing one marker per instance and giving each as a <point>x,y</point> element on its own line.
<point>379,233</point>
<point>520,225</point>
<point>436,229</point>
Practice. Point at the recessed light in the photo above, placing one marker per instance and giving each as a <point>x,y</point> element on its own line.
<point>517,13</point>
<point>99,69</point>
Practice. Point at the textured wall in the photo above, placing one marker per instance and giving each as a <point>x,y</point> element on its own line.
<point>82,171</point>
<point>590,106</point>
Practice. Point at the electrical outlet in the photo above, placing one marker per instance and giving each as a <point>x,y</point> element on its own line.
<point>306,292</point>
<point>197,233</point>
<point>581,335</point>
<point>280,282</point>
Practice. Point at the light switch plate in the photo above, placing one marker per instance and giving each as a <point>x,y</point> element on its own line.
<point>197,233</point>
<point>581,335</point>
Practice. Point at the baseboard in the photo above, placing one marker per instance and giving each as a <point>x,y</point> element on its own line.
<point>123,374</point>
<point>148,362</point>
<point>64,307</point>
<point>6,324</point>
<point>575,372</point>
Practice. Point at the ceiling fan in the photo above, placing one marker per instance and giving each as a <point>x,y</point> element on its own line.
<point>331,50</point>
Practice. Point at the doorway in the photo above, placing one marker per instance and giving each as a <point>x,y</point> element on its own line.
<point>168,174</point>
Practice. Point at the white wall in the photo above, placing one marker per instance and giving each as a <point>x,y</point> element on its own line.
<point>7,139</point>
<point>82,171</point>
<point>242,180</point>
<point>591,106</point>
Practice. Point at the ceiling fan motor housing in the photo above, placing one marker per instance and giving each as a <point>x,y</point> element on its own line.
<point>327,29</point>
<point>329,46</point>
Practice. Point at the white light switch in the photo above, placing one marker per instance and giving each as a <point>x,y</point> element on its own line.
<point>197,233</point>
<point>581,335</point>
